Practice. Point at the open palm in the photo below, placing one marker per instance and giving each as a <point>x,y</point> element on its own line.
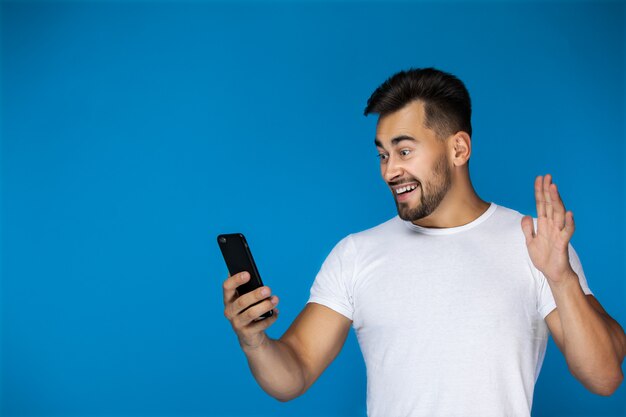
<point>548,245</point>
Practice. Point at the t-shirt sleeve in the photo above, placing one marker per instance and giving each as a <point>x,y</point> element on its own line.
<point>546,300</point>
<point>333,284</point>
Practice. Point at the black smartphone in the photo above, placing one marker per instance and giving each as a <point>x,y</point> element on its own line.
<point>238,258</point>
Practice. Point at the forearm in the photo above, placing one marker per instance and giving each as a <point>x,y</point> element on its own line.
<point>593,344</point>
<point>276,369</point>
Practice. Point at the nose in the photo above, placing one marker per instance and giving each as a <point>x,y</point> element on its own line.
<point>392,170</point>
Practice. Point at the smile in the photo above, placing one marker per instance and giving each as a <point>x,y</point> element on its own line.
<point>405,189</point>
<point>404,192</point>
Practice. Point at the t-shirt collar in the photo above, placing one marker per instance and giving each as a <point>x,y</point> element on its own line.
<point>452,230</point>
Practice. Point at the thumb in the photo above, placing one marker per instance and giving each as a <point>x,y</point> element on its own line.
<point>528,228</point>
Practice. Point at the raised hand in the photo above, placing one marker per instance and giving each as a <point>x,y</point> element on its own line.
<point>548,246</point>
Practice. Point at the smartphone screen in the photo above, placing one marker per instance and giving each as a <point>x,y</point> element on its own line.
<point>238,258</point>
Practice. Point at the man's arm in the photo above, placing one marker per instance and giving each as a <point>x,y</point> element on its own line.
<point>287,367</point>
<point>592,342</point>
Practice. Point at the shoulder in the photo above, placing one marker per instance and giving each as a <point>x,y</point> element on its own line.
<point>507,215</point>
<point>375,236</point>
<point>387,230</point>
<point>506,219</point>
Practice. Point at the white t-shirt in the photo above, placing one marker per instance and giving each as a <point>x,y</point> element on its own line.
<point>450,321</point>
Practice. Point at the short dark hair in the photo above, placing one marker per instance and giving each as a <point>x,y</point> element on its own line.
<point>447,104</point>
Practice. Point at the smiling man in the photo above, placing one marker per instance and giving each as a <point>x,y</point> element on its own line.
<point>452,300</point>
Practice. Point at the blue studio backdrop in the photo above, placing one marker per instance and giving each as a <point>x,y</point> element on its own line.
<point>134,132</point>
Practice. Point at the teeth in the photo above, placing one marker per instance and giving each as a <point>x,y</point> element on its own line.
<point>405,189</point>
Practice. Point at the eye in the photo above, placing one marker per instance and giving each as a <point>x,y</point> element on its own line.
<point>405,152</point>
<point>383,157</point>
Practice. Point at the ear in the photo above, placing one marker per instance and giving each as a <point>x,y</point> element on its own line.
<point>460,146</point>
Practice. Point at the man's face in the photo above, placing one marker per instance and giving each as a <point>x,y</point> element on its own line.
<point>413,162</point>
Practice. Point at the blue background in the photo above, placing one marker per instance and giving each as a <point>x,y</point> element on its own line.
<point>134,132</point>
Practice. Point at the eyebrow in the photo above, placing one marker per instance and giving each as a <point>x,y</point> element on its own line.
<point>395,140</point>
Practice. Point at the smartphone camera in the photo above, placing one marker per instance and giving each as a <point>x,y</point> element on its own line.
<point>222,239</point>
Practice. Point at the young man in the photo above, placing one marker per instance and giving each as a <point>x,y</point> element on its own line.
<point>451,300</point>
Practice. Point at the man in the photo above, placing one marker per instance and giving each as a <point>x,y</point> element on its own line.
<point>452,299</point>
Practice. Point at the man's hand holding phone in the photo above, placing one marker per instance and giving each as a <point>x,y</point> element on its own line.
<point>244,311</point>
<point>286,367</point>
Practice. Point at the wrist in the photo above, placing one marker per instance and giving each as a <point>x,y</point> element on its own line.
<point>563,281</point>
<point>254,345</point>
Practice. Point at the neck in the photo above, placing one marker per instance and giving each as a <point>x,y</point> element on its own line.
<point>460,206</point>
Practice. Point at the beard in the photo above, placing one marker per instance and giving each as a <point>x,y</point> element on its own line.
<point>431,193</point>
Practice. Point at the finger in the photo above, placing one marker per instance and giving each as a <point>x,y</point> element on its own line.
<point>568,231</point>
<point>558,207</point>
<point>528,228</point>
<point>259,326</point>
<point>245,301</point>
<point>230,285</point>
<point>547,180</point>
<point>539,199</point>
<point>253,313</point>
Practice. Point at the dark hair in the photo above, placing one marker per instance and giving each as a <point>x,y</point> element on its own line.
<point>447,103</point>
